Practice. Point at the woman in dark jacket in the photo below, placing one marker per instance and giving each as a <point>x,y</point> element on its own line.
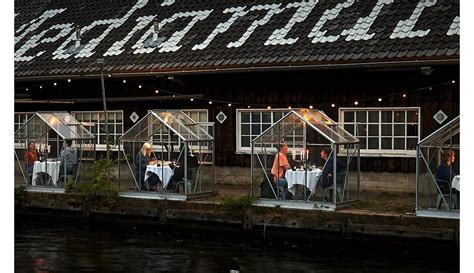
<point>142,159</point>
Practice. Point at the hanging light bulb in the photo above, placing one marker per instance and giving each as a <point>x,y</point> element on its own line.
<point>310,107</point>
<point>109,75</point>
<point>140,86</point>
<point>248,106</point>
<point>289,107</point>
<point>54,83</point>
<point>333,105</point>
<point>356,103</point>
<point>191,99</point>
<point>41,87</point>
<point>230,104</point>
<point>453,81</point>
<point>26,89</point>
<point>174,96</point>
<point>68,80</point>
<point>379,99</point>
<point>269,107</point>
<point>404,95</point>
<point>210,102</point>
<point>124,81</point>
<point>157,91</point>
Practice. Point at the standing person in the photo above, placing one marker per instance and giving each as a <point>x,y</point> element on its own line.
<point>142,159</point>
<point>68,158</point>
<point>280,165</point>
<point>444,174</point>
<point>30,156</point>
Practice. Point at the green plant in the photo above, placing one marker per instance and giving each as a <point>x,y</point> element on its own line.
<point>99,189</point>
<point>236,206</point>
<point>21,195</point>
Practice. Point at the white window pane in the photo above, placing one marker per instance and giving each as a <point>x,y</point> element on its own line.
<point>373,143</point>
<point>255,117</point>
<point>412,116</point>
<point>411,143</point>
<point>386,143</point>
<point>245,129</point>
<point>386,129</point>
<point>399,116</point>
<point>412,130</point>
<point>203,116</point>
<point>361,116</point>
<point>245,117</point>
<point>373,116</point>
<point>387,116</point>
<point>399,144</point>
<point>348,116</point>
<point>399,129</point>
<point>266,117</point>
<point>373,130</point>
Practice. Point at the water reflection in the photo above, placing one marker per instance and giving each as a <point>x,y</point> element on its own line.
<point>45,247</point>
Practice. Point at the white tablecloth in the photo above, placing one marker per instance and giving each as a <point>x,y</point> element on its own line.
<point>456,183</point>
<point>52,169</point>
<point>164,173</point>
<point>297,177</point>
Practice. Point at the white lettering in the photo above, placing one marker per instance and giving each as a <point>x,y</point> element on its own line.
<point>454,27</point>
<point>172,43</point>
<point>404,28</point>
<point>223,27</point>
<point>328,15</point>
<point>116,48</point>
<point>360,30</point>
<point>87,50</point>
<point>35,23</point>
<point>35,41</point>
<point>272,10</point>
<point>278,36</point>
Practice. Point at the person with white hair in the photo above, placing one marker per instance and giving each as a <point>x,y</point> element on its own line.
<point>142,159</point>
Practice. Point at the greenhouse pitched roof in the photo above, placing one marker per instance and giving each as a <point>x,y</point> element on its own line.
<point>64,124</point>
<point>314,119</point>
<point>175,120</point>
<point>443,134</point>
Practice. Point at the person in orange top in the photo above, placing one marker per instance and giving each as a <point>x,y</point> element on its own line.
<point>30,156</point>
<point>280,165</point>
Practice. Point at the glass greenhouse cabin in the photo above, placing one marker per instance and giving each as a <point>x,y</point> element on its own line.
<point>60,141</point>
<point>323,163</point>
<point>181,163</point>
<point>437,173</point>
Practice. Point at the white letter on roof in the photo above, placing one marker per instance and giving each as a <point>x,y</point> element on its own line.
<point>272,10</point>
<point>171,44</point>
<point>116,48</point>
<point>87,50</point>
<point>35,41</point>
<point>454,27</point>
<point>404,28</point>
<point>35,23</point>
<point>223,27</point>
<point>360,30</point>
<point>278,36</point>
<point>328,15</point>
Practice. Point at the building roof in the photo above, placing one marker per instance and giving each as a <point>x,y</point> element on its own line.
<point>206,35</point>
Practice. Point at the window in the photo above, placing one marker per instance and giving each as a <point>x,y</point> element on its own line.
<point>20,119</point>
<point>198,115</point>
<point>383,131</point>
<point>94,121</point>
<point>251,123</point>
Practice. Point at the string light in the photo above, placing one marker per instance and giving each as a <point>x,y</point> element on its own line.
<point>26,89</point>
<point>109,75</point>
<point>333,105</point>
<point>140,86</point>
<point>41,87</point>
<point>380,99</point>
<point>174,96</point>
<point>157,91</point>
<point>210,102</point>
<point>356,103</point>
<point>54,83</point>
<point>248,106</point>
<point>124,81</point>
<point>431,88</point>
<point>310,107</point>
<point>453,81</point>
<point>404,95</point>
<point>191,99</point>
<point>230,104</point>
<point>68,80</point>
<point>269,107</point>
<point>289,107</point>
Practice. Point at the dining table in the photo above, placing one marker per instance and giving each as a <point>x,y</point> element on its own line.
<point>164,173</point>
<point>297,177</point>
<point>49,167</point>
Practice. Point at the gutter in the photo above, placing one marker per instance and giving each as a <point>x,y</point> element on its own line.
<point>393,65</point>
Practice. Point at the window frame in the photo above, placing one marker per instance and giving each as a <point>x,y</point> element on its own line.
<point>239,149</point>
<point>385,152</point>
<point>21,145</point>
<point>99,146</point>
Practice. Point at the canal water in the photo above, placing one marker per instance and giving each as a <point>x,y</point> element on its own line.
<point>48,245</point>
